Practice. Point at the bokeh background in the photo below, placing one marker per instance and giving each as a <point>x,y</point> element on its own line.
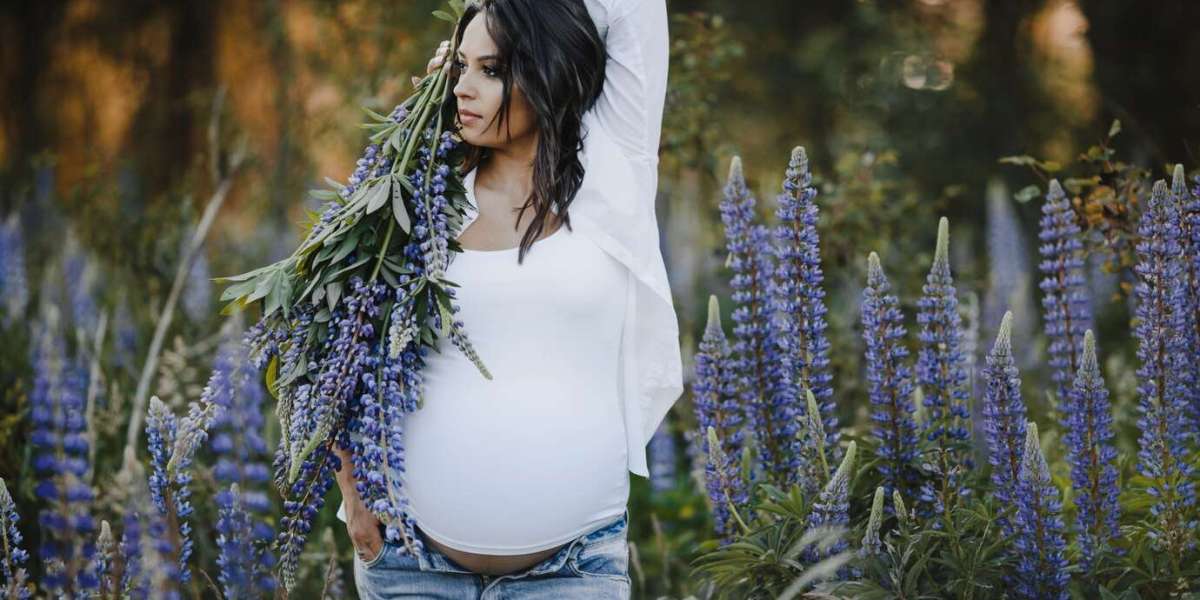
<point>121,121</point>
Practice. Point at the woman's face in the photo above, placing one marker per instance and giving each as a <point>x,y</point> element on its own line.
<point>479,90</point>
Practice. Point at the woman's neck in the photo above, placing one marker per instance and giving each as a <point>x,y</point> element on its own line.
<point>507,172</point>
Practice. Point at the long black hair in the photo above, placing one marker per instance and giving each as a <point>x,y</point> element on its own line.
<point>553,52</point>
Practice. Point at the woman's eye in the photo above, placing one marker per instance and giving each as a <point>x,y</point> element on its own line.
<point>489,71</point>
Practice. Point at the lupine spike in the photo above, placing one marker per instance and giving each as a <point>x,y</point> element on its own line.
<point>61,463</point>
<point>901,510</point>
<point>870,543</point>
<point>104,559</point>
<point>1190,241</point>
<point>889,381</point>
<point>832,508</point>
<point>943,367</point>
<point>723,479</point>
<point>1039,544</point>
<point>1004,413</point>
<point>1092,456</point>
<point>15,582</point>
<point>14,288</point>
<point>758,354</point>
<point>814,458</point>
<point>1166,372</point>
<point>1065,303</point>
<point>716,405</point>
<point>799,297</point>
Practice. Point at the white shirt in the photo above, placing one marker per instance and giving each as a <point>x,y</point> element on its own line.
<point>536,456</point>
<point>615,209</point>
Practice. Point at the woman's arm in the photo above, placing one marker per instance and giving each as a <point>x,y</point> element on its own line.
<point>635,83</point>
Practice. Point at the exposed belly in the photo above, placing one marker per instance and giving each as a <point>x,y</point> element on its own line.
<point>488,564</point>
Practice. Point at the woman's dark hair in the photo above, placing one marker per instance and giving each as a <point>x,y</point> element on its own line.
<point>553,52</point>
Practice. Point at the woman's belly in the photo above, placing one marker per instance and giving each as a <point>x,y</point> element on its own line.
<point>500,474</point>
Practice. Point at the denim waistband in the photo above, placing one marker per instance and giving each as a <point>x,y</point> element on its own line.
<point>431,559</point>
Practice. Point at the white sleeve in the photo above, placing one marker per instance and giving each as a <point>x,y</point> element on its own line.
<point>630,107</point>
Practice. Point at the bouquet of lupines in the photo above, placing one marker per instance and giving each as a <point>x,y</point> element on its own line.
<point>348,317</point>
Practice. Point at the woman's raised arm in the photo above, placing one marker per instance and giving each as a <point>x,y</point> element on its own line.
<point>635,84</point>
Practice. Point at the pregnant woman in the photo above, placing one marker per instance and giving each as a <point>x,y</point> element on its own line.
<point>519,485</point>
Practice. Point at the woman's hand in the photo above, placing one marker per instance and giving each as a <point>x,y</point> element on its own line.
<point>361,524</point>
<point>438,60</point>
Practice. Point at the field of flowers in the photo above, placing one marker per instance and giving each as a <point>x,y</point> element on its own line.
<point>954,485</point>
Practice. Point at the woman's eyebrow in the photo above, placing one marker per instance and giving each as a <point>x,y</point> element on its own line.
<point>486,57</point>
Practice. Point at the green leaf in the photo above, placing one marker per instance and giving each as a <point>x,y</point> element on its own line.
<point>1115,128</point>
<point>397,139</point>
<point>272,375</point>
<point>238,290</point>
<point>246,275</point>
<point>445,16</point>
<point>333,293</point>
<point>379,195</point>
<point>375,115</point>
<point>344,250</point>
<point>1027,193</point>
<point>399,212</point>
<point>334,184</point>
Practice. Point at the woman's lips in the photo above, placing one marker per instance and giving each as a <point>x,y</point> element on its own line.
<point>468,117</point>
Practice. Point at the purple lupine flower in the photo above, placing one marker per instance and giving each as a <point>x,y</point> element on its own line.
<point>662,458</point>
<point>758,359</point>
<point>15,581</point>
<point>313,481</point>
<point>715,399</point>
<point>243,571</point>
<point>832,508</point>
<point>1039,543</point>
<point>800,298</point>
<point>1004,415</point>
<point>1166,371</point>
<point>151,568</point>
<point>14,287</point>
<point>61,464</point>
<point>722,477</point>
<point>1088,438</point>
<point>376,427</point>
<point>889,382</point>
<point>240,452</point>
<point>197,295</point>
<point>943,374</point>
<point>172,442</point>
<point>1065,305</point>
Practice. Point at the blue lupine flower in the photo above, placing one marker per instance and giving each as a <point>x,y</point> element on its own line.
<point>237,441</point>
<point>172,443</point>
<point>151,568</point>
<point>61,464</point>
<point>758,357</point>
<point>1039,544</point>
<point>662,458</point>
<point>715,399</point>
<point>15,580</point>
<point>240,559</point>
<point>1004,415</point>
<point>832,508</point>
<point>889,381</point>
<point>1066,305</point>
<point>312,483</point>
<point>1165,375</point>
<point>197,295</point>
<point>943,366</point>
<point>800,298</point>
<point>1088,438</point>
<point>14,287</point>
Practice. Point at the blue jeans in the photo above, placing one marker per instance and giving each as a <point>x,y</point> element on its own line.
<point>592,566</point>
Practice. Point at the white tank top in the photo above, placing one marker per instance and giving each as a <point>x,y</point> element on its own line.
<point>537,456</point>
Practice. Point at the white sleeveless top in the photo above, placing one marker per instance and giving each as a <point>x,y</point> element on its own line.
<point>536,456</point>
